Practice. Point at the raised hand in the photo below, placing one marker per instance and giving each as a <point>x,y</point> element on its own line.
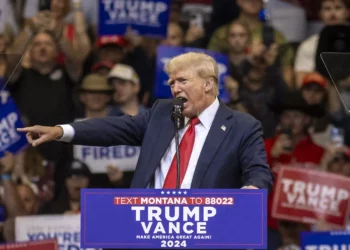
<point>7,163</point>
<point>114,174</point>
<point>37,135</point>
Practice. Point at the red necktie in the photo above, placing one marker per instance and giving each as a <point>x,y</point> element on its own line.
<point>185,148</point>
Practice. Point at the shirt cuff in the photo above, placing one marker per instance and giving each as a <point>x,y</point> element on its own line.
<point>68,133</point>
<point>249,187</point>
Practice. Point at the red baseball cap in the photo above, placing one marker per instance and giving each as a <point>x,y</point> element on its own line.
<point>102,64</point>
<point>315,78</point>
<point>113,39</point>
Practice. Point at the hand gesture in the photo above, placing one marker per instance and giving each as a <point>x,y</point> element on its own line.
<point>114,174</point>
<point>18,167</point>
<point>38,21</point>
<point>7,163</point>
<point>50,22</point>
<point>333,149</point>
<point>322,225</point>
<point>194,33</point>
<point>257,50</point>
<point>282,142</point>
<point>133,38</point>
<point>271,54</point>
<point>37,135</point>
<point>232,87</point>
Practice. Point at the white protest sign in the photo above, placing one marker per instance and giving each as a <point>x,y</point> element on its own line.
<point>98,158</point>
<point>66,228</point>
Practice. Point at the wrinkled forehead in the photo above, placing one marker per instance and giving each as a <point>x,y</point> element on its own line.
<point>182,72</point>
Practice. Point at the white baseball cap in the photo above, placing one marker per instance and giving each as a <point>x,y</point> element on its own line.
<point>124,72</point>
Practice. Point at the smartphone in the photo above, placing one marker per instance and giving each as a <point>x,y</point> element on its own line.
<point>197,20</point>
<point>336,137</point>
<point>289,133</point>
<point>268,35</point>
<point>44,5</point>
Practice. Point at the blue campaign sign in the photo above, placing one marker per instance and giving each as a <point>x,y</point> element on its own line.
<point>145,17</point>
<point>10,139</point>
<point>166,53</point>
<point>325,240</point>
<point>183,218</point>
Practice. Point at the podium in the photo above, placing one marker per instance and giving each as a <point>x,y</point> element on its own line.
<point>181,218</point>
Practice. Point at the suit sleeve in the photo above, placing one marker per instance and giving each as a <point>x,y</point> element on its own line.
<point>255,170</point>
<point>112,131</point>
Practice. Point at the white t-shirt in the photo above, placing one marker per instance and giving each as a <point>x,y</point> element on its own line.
<point>306,54</point>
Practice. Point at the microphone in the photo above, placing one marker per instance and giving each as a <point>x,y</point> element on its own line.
<point>179,123</point>
<point>176,113</point>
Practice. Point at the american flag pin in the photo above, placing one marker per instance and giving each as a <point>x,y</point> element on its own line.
<point>223,128</point>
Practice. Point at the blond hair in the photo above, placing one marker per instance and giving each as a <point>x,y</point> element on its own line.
<point>204,65</point>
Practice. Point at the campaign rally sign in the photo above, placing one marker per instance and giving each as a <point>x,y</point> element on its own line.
<point>10,119</point>
<point>166,53</point>
<point>98,158</point>
<point>145,17</point>
<point>33,245</point>
<point>335,240</point>
<point>64,228</point>
<point>186,218</point>
<point>306,195</point>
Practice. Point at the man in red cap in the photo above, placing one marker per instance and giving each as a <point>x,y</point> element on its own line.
<point>102,68</point>
<point>314,89</point>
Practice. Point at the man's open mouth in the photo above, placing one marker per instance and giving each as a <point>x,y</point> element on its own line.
<point>183,99</point>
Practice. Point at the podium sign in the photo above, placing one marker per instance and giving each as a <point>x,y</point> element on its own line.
<point>186,218</point>
<point>325,240</point>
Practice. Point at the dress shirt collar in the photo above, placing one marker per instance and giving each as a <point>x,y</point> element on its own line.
<point>207,116</point>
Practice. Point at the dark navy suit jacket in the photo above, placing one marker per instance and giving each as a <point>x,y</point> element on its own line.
<point>230,158</point>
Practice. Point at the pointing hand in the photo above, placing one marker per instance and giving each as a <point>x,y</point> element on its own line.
<point>37,135</point>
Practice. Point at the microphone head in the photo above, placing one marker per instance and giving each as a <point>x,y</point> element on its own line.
<point>176,113</point>
<point>179,102</point>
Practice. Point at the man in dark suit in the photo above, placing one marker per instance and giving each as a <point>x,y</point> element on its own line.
<point>220,148</point>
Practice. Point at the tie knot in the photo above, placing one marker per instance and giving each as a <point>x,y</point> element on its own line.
<point>194,121</point>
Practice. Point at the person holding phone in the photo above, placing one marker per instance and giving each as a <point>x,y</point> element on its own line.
<point>291,146</point>
<point>250,14</point>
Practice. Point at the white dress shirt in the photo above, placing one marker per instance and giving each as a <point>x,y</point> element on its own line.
<point>206,119</point>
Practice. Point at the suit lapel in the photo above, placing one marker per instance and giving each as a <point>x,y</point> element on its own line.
<point>217,133</point>
<point>164,137</point>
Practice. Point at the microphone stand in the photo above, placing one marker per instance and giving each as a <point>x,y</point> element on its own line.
<point>177,155</point>
<point>178,124</point>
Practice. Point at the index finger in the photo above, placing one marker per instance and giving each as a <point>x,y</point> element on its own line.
<point>26,129</point>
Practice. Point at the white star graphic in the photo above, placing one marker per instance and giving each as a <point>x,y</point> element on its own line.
<point>168,192</point>
<point>185,192</point>
<point>162,192</point>
<point>179,192</point>
<point>174,192</point>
